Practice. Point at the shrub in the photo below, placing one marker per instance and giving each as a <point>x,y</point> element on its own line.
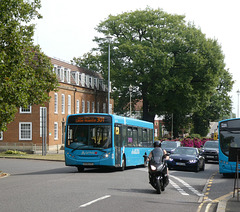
<point>14,152</point>
<point>193,142</point>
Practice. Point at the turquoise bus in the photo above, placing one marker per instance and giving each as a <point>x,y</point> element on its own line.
<point>229,137</point>
<point>105,140</point>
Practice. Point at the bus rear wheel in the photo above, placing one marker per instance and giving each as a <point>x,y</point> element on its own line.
<point>123,164</point>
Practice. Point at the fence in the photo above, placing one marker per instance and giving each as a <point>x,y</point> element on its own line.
<point>29,147</point>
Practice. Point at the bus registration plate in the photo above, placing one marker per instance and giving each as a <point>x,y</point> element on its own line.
<point>88,164</point>
<point>180,164</point>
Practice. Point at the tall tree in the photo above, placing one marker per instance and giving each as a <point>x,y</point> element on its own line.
<point>26,74</point>
<point>174,65</point>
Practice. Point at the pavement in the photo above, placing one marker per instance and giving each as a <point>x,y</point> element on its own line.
<point>232,204</point>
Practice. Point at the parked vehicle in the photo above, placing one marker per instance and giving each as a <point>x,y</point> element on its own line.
<point>158,177</point>
<point>170,146</point>
<point>210,150</point>
<point>187,158</point>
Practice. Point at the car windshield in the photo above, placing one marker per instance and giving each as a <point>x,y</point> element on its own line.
<point>185,151</point>
<point>169,144</point>
<point>211,145</point>
<point>89,136</point>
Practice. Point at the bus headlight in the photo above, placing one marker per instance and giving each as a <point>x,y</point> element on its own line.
<point>106,155</point>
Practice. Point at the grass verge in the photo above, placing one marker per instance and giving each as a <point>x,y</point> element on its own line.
<point>55,157</point>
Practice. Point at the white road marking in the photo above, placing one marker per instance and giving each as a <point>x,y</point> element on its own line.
<point>188,186</point>
<point>96,200</point>
<point>178,188</point>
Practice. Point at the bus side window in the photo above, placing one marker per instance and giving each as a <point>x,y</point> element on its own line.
<point>150,139</point>
<point>140,138</point>
<point>144,138</point>
<point>135,138</point>
<point>130,137</point>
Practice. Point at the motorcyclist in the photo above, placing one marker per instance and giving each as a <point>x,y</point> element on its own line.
<point>159,155</point>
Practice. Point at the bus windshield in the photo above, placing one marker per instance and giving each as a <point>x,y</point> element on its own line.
<point>89,136</point>
<point>229,139</point>
<point>229,135</point>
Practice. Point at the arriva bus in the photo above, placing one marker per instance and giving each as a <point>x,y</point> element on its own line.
<point>229,136</point>
<point>104,140</point>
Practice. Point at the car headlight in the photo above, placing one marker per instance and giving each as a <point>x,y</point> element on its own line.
<point>170,159</point>
<point>193,161</point>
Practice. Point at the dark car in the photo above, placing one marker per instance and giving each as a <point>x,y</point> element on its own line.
<point>210,150</point>
<point>170,146</point>
<point>187,158</point>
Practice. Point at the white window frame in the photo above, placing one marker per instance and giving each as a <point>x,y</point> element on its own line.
<point>26,110</point>
<point>1,135</point>
<point>56,103</point>
<point>55,130</point>
<point>63,103</point>
<point>88,107</point>
<point>83,106</point>
<point>20,131</point>
<point>69,104</point>
<point>77,106</point>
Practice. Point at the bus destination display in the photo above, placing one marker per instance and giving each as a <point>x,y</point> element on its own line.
<point>89,119</point>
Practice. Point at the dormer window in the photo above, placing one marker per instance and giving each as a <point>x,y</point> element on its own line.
<point>82,79</point>
<point>67,75</point>
<point>96,84</point>
<point>60,73</point>
<point>75,75</point>
<point>87,81</point>
<point>90,82</point>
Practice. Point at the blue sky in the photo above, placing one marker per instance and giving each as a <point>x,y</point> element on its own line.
<point>67,27</point>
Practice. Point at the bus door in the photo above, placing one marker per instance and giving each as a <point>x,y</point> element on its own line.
<point>117,144</point>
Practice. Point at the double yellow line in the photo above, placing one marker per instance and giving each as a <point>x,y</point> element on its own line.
<point>208,201</point>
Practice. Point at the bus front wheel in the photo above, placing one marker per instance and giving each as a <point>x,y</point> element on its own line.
<point>80,168</point>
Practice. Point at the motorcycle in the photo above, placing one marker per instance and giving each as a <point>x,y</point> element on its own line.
<point>158,176</point>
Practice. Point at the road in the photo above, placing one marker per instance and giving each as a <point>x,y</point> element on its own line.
<point>51,186</point>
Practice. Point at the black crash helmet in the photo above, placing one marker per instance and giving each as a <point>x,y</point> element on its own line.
<point>157,144</point>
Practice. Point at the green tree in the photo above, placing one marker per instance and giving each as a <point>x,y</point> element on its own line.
<point>174,65</point>
<point>26,74</point>
<point>218,107</point>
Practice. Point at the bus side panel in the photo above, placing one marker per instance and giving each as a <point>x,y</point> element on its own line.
<point>134,156</point>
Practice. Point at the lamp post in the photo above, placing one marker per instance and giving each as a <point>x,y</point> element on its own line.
<point>238,92</point>
<point>109,40</point>
<point>130,94</point>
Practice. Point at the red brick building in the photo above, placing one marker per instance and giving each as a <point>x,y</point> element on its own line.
<point>80,91</point>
